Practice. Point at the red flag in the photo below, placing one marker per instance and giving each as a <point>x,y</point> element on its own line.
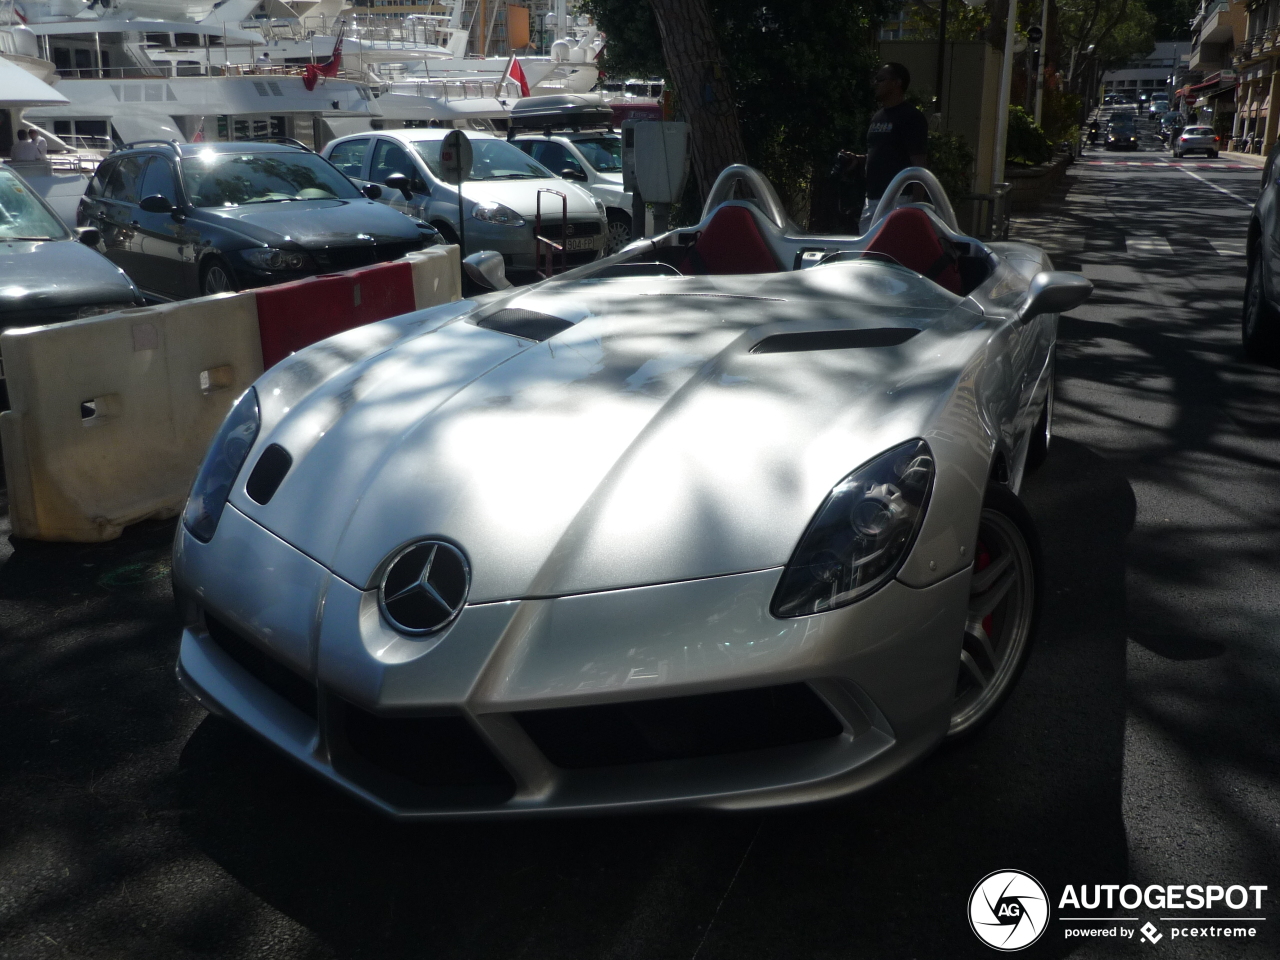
<point>199,137</point>
<point>516,73</point>
<point>330,69</point>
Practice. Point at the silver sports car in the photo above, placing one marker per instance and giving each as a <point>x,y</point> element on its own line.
<point>728,519</point>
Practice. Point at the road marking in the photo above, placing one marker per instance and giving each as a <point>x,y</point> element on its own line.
<point>1148,246</point>
<point>1208,183</point>
<point>1229,248</point>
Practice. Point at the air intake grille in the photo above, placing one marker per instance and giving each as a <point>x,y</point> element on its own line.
<point>834,340</point>
<point>263,667</point>
<point>268,474</point>
<point>680,727</point>
<point>526,324</point>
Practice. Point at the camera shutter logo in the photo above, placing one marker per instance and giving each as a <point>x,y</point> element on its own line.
<point>1008,910</point>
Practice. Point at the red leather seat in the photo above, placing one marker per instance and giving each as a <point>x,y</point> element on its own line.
<point>730,243</point>
<point>909,237</point>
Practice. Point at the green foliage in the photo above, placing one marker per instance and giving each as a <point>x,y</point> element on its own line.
<point>1119,30</point>
<point>1060,115</point>
<point>951,161</point>
<point>1172,18</point>
<point>1026,142</point>
<point>963,21</point>
<point>800,73</point>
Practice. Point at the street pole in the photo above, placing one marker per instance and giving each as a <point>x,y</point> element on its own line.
<point>1006,81</point>
<point>942,54</point>
<point>1044,43</point>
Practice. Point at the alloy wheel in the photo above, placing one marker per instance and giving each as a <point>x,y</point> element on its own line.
<point>998,629</point>
<point>216,280</point>
<point>619,236</point>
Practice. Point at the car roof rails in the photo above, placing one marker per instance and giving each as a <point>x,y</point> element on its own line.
<point>144,143</point>
<point>285,141</point>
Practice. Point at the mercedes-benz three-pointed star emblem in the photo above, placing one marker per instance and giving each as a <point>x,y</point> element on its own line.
<point>425,587</point>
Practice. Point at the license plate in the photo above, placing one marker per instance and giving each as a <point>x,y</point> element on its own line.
<point>581,243</point>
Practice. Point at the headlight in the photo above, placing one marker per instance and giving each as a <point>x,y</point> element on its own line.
<point>491,212</point>
<point>221,467</point>
<point>861,535</point>
<point>269,258</point>
<point>599,205</point>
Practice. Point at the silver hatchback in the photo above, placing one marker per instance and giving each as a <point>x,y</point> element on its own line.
<point>1195,139</point>
<point>501,199</point>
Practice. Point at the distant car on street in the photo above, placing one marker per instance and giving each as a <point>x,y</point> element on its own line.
<point>184,220</point>
<point>1122,134</point>
<point>46,276</point>
<point>500,199</point>
<point>1194,140</point>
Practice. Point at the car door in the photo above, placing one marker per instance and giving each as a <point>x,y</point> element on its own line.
<point>163,246</point>
<point>1269,225</point>
<point>112,209</point>
<point>391,157</point>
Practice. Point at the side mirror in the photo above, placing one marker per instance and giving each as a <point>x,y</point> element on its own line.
<point>487,270</point>
<point>89,236</point>
<point>1054,292</point>
<point>156,204</point>
<point>569,173</point>
<point>398,181</point>
<point>372,191</point>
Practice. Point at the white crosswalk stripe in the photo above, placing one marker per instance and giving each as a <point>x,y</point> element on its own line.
<point>1148,246</point>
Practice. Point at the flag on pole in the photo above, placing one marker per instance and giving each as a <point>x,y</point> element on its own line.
<point>330,69</point>
<point>516,73</point>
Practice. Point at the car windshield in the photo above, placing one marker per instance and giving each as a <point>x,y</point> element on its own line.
<point>230,179</point>
<point>23,216</point>
<point>1198,132</point>
<point>605,154</point>
<point>490,160</point>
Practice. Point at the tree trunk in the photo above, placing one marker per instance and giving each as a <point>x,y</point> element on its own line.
<point>696,68</point>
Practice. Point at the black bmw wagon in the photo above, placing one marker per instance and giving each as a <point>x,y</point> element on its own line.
<point>186,220</point>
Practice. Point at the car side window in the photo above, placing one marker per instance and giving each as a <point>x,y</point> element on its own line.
<point>97,185</point>
<point>159,181</point>
<point>389,158</point>
<point>348,156</point>
<point>122,182</point>
<point>556,158</point>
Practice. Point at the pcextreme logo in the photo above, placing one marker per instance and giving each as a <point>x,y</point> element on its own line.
<point>1008,910</point>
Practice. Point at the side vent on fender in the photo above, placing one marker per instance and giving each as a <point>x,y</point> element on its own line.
<point>834,340</point>
<point>268,473</point>
<point>525,324</point>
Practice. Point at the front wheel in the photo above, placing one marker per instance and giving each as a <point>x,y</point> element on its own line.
<point>618,232</point>
<point>1258,322</point>
<point>217,278</point>
<point>1003,603</point>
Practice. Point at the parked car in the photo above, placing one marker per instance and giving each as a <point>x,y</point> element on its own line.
<point>1122,135</point>
<point>46,276</point>
<point>1260,322</point>
<point>500,200</point>
<point>1159,105</point>
<point>189,219</point>
<point>593,159</point>
<point>729,519</point>
<point>1195,139</point>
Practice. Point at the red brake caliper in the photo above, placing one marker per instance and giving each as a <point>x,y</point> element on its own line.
<point>981,563</point>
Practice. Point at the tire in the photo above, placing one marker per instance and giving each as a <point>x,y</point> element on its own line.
<point>1177,155</point>
<point>618,232</point>
<point>1004,602</point>
<point>446,231</point>
<point>216,277</point>
<point>1258,320</point>
<point>1042,432</point>
<point>1213,154</point>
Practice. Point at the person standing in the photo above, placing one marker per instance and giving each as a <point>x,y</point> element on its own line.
<point>897,138</point>
<point>24,148</point>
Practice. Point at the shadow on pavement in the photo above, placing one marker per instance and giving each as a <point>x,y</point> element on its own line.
<point>887,873</point>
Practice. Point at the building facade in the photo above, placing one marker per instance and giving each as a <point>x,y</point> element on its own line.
<point>1255,62</point>
<point>1149,75</point>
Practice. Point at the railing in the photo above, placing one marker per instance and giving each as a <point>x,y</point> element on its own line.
<point>456,89</point>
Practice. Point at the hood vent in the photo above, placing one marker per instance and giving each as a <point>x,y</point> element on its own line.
<point>525,324</point>
<point>834,340</point>
<point>268,473</point>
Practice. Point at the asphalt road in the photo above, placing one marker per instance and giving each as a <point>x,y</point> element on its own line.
<point>1140,746</point>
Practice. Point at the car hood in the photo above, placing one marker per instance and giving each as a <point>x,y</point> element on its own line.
<point>643,444</point>
<point>522,196</point>
<point>58,274</point>
<point>313,223</point>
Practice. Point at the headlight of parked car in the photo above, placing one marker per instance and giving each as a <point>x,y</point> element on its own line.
<point>221,467</point>
<point>491,212</point>
<point>861,535</point>
<point>269,258</point>
<point>599,205</point>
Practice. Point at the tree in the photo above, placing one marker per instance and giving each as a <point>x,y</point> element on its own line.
<point>1102,33</point>
<point>697,69</point>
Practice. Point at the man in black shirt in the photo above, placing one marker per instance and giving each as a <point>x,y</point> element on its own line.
<point>897,138</point>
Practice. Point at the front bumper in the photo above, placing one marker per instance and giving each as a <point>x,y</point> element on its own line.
<point>306,661</point>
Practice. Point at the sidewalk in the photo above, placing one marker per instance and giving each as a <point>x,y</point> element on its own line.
<point>1253,159</point>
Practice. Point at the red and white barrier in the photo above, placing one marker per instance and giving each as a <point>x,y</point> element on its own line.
<point>111,415</point>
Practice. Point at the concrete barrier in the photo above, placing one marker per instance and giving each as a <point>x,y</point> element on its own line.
<point>112,415</point>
